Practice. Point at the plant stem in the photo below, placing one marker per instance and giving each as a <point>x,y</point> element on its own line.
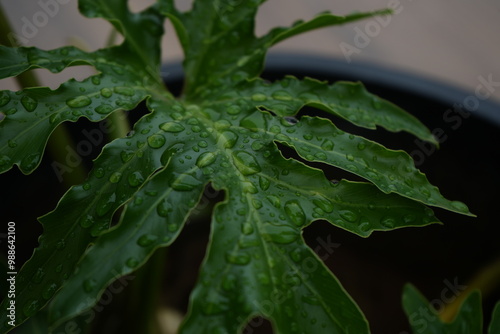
<point>118,118</point>
<point>144,296</point>
<point>60,139</point>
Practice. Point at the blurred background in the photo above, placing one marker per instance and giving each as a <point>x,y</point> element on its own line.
<point>451,41</point>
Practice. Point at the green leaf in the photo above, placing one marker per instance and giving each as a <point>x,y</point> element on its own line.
<point>424,319</point>
<point>226,130</point>
<point>208,64</point>
<point>266,193</point>
<point>84,212</point>
<point>32,114</point>
<point>495,320</point>
<point>142,31</point>
<point>348,100</point>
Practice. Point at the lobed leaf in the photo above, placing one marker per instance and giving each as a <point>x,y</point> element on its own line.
<point>270,199</point>
<point>208,65</point>
<point>84,212</point>
<point>32,114</point>
<point>424,319</point>
<point>349,100</point>
<point>142,31</point>
<point>225,130</point>
<point>153,219</point>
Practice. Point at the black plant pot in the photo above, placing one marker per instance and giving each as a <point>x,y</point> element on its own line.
<point>440,259</point>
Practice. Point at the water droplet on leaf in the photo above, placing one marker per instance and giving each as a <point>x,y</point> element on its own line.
<point>246,163</point>
<point>79,102</point>
<point>156,141</point>
<point>147,240</point>
<point>29,103</point>
<point>295,212</point>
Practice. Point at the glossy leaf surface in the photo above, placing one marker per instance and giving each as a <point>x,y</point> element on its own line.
<point>225,130</point>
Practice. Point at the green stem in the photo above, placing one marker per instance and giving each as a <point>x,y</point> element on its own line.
<point>145,295</point>
<point>120,125</point>
<point>60,139</point>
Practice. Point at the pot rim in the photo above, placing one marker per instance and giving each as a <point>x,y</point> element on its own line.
<point>369,74</point>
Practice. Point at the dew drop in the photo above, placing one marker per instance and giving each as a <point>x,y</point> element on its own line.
<point>281,95</point>
<point>11,143</point>
<point>163,209</point>
<point>233,110</point>
<point>115,177</point>
<point>295,212</point>
<point>125,91</point>
<point>296,255</point>
<point>388,222</point>
<point>361,146</point>
<point>106,92</point>
<point>238,258</point>
<point>89,285</point>
<point>348,215</point>
<point>247,228</point>
<point>126,155</point>
<point>173,127</point>
<point>283,237</point>
<point>4,98</point>
<point>54,118</point>
<point>156,141</point>
<point>275,201</point>
<point>256,204</point>
<point>147,240</point>
<point>132,262</point>
<point>79,102</point>
<point>460,206</point>
<point>104,206</point>
<point>49,291</point>
<point>365,226</point>
<point>99,172</point>
<point>31,307</point>
<point>206,159</point>
<point>38,276</point>
<point>104,109</point>
<point>264,183</point>
<point>96,80</point>
<point>30,162</point>
<point>257,145</point>
<point>29,103</point>
<point>246,163</point>
<point>320,156</point>
<point>259,97</point>
<point>135,179</point>
<point>311,299</point>
<point>324,205</point>
<point>87,221</point>
<point>228,139</point>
